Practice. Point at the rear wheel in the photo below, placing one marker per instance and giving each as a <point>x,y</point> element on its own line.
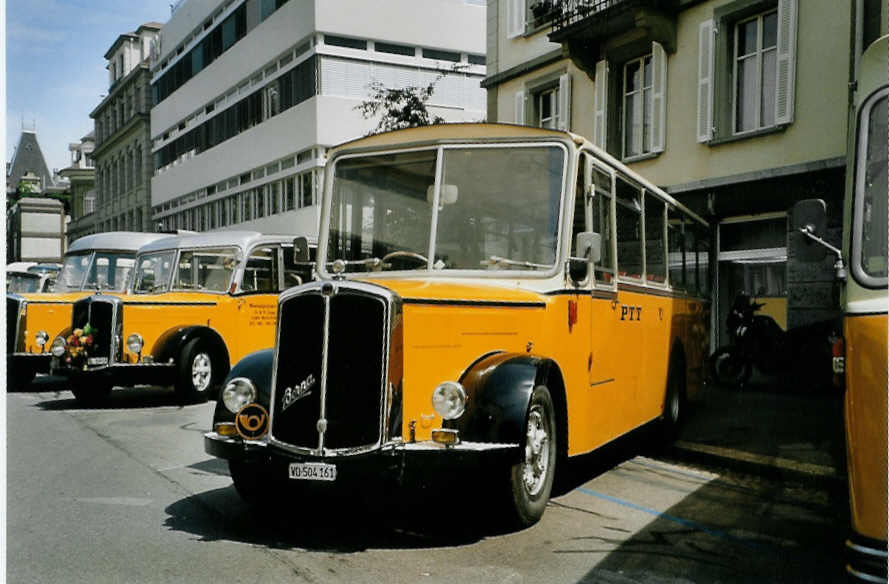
<point>729,368</point>
<point>531,479</point>
<point>200,371</point>
<point>674,400</point>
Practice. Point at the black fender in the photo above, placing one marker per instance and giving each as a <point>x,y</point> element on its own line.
<point>498,390</point>
<point>170,344</point>
<point>257,367</point>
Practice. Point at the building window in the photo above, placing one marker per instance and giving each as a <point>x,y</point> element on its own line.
<point>548,108</point>
<point>89,203</point>
<point>632,119</point>
<point>756,49</point>
<point>636,106</point>
<point>746,69</point>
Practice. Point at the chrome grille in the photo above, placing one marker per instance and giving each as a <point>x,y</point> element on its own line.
<point>103,313</point>
<point>15,324</point>
<point>332,389</point>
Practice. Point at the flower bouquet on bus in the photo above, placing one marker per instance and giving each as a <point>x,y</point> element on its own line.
<point>78,346</point>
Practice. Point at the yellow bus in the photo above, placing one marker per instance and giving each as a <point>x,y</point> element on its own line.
<point>490,296</point>
<point>102,261</point>
<point>861,355</point>
<point>199,302</point>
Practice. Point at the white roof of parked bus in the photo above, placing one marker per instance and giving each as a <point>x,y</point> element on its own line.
<point>115,241</point>
<point>485,132</point>
<point>242,239</point>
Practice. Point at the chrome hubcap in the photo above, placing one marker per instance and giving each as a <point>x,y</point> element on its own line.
<point>536,464</point>
<point>201,372</point>
<point>674,406</point>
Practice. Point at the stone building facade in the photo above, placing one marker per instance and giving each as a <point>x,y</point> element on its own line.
<point>123,138</point>
<point>81,175</point>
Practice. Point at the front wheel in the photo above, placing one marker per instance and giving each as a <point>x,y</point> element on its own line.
<point>728,368</point>
<point>531,479</point>
<point>200,372</point>
<point>94,393</point>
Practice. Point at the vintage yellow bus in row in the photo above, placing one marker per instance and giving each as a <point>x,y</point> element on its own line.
<point>489,295</point>
<point>862,355</point>
<point>99,262</point>
<point>199,302</point>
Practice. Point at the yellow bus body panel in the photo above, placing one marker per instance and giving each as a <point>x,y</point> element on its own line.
<point>50,313</point>
<point>246,323</point>
<point>614,367</point>
<point>866,419</point>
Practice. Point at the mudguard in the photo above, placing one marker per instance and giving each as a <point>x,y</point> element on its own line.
<point>170,344</point>
<point>498,390</point>
<point>257,367</point>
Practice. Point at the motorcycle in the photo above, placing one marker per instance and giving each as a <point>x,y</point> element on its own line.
<point>756,340</point>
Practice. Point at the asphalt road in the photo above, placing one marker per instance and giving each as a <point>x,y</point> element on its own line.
<point>125,493</point>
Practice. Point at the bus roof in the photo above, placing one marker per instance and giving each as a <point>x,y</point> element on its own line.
<point>242,239</point>
<point>115,241</point>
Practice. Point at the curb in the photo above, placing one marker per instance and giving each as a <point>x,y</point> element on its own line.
<point>770,466</point>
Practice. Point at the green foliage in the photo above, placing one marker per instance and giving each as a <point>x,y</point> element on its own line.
<point>400,108</point>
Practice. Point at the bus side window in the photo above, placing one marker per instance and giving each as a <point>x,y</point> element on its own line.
<point>629,230</point>
<point>603,214</point>
<point>581,221</point>
<point>676,248</point>
<point>261,272</point>
<point>702,255</point>
<point>655,270</point>
<point>296,274</point>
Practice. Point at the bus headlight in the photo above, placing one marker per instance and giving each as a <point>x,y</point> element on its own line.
<point>41,338</point>
<point>135,343</point>
<point>238,392</point>
<point>58,347</point>
<point>449,400</point>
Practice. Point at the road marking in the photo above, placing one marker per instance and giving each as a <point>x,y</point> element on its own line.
<point>684,522</point>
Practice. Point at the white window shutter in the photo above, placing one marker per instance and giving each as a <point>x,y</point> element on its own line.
<point>786,61</point>
<point>600,104</point>
<point>515,18</point>
<point>705,81</point>
<point>565,102</point>
<point>659,97</point>
<point>520,107</point>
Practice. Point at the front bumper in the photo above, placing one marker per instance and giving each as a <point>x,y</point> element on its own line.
<point>120,374</point>
<point>401,461</point>
<point>866,559</point>
<point>29,362</point>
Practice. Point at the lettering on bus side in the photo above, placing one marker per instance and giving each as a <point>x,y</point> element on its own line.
<point>628,312</point>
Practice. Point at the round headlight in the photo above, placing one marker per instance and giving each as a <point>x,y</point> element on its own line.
<point>238,392</point>
<point>449,400</point>
<point>58,347</point>
<point>134,343</point>
<point>338,267</point>
<point>42,338</point>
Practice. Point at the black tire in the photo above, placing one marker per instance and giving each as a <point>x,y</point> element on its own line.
<point>674,400</point>
<point>19,380</point>
<point>728,368</point>
<point>531,479</point>
<point>200,372</point>
<point>94,393</point>
<point>253,481</point>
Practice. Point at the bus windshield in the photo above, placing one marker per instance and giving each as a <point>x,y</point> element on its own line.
<point>153,272</point>
<point>96,270</point>
<point>871,211</point>
<point>492,208</point>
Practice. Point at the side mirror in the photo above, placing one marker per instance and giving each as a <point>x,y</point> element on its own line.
<point>300,250</point>
<point>448,196</point>
<point>809,221</point>
<point>589,246</point>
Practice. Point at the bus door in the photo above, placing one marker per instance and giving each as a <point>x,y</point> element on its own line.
<point>604,309</point>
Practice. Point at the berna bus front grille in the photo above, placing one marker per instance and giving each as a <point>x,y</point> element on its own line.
<point>103,314</point>
<point>333,399</point>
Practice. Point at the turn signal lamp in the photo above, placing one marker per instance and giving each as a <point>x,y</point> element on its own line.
<point>226,429</point>
<point>446,436</point>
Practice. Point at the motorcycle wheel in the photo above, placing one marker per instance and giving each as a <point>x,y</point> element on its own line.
<point>728,368</point>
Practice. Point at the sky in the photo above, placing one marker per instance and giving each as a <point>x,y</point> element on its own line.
<point>55,65</point>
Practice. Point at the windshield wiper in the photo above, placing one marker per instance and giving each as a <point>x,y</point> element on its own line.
<point>501,261</point>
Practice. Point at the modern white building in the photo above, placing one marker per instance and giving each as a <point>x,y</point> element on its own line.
<point>249,94</point>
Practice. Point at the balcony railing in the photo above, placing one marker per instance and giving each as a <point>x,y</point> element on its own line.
<point>568,13</point>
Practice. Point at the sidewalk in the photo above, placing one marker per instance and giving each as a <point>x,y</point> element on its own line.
<point>767,429</point>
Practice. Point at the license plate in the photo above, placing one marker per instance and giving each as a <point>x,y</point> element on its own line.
<point>312,471</point>
<point>97,361</point>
